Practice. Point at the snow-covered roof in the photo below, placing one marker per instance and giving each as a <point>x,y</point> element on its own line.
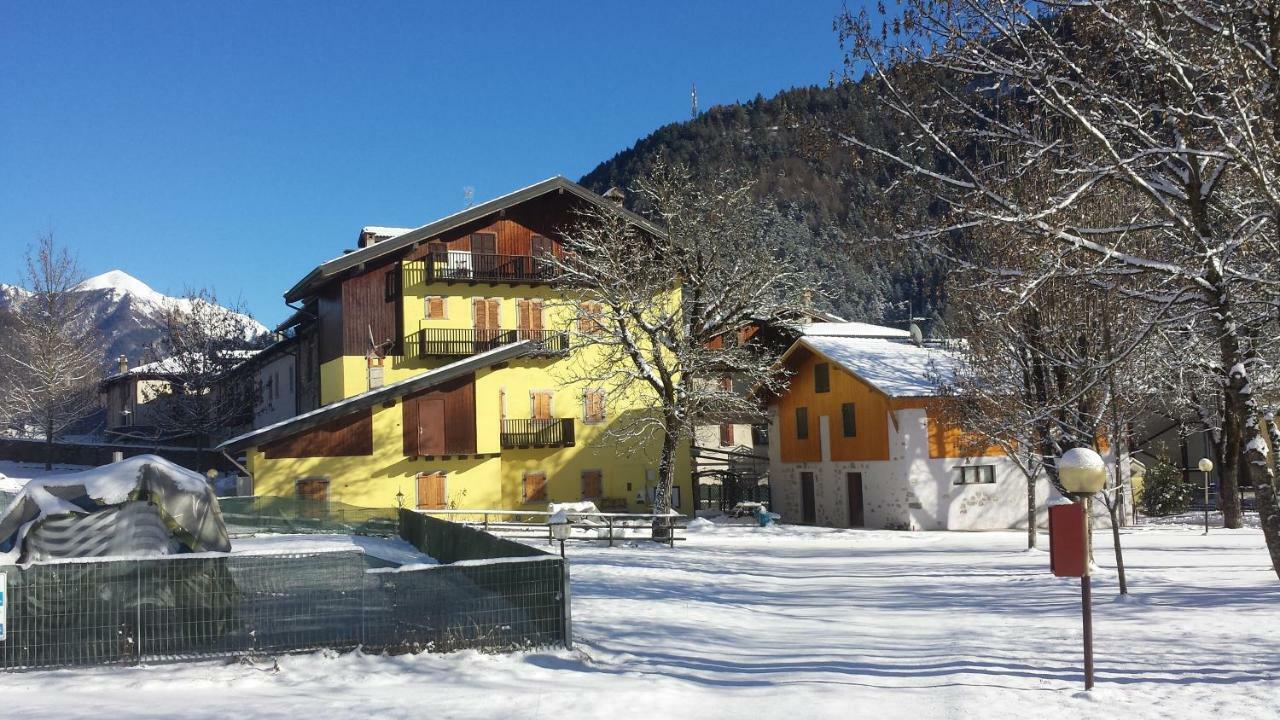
<point>383,232</point>
<point>898,369</point>
<point>174,366</point>
<point>852,329</point>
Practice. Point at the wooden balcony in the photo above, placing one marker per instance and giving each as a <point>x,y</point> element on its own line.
<point>462,266</point>
<point>553,432</point>
<point>462,342</point>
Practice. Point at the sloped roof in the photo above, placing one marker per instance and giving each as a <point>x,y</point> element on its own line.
<point>378,250</point>
<point>332,411</point>
<point>854,330</point>
<point>897,369</point>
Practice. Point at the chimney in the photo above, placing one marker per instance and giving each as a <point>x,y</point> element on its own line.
<point>367,238</point>
<point>122,364</point>
<point>616,194</point>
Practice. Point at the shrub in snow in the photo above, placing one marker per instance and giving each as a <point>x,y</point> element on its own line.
<point>1163,491</point>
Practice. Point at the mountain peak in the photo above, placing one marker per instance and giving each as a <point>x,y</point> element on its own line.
<point>120,282</point>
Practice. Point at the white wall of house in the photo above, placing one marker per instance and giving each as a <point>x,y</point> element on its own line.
<point>908,491</point>
<point>275,386</point>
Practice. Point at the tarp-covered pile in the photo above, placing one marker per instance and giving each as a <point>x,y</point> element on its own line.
<point>143,506</point>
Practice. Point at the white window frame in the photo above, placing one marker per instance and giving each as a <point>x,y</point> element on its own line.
<point>976,475</point>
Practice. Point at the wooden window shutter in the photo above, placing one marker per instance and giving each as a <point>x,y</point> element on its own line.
<point>492,314</point>
<point>592,484</point>
<point>431,491</point>
<point>726,434</point>
<point>524,308</point>
<point>849,420</point>
<point>540,404</point>
<point>478,311</point>
<point>535,487</point>
<point>593,405</point>
<point>435,308</point>
<point>535,316</point>
<point>410,420</point>
<point>726,384</point>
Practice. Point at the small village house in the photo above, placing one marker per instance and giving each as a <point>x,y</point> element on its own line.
<point>859,439</point>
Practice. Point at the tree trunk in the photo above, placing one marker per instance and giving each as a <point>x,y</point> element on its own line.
<point>1265,490</point>
<point>1113,509</point>
<point>1031,512</point>
<point>48,442</point>
<point>1234,385</point>
<point>666,478</point>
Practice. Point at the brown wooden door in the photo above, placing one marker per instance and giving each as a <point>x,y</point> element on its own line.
<point>431,491</point>
<point>808,504</point>
<point>431,426</point>
<point>314,495</point>
<point>854,482</point>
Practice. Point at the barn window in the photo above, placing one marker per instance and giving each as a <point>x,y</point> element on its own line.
<point>849,419</point>
<point>802,423</point>
<point>822,378</point>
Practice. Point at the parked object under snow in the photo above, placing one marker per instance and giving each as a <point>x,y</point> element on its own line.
<point>142,506</point>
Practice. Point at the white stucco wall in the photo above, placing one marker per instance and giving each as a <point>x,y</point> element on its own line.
<point>908,491</point>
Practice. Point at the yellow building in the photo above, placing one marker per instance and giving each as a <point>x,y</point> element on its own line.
<point>450,366</point>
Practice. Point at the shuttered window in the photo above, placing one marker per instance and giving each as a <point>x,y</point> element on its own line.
<point>802,423</point>
<point>849,419</point>
<point>540,245</point>
<point>540,404</point>
<point>589,314</point>
<point>593,405</point>
<point>436,308</point>
<point>535,487</point>
<point>529,319</point>
<point>822,378</point>
<point>431,491</point>
<point>592,484</point>
<point>726,434</point>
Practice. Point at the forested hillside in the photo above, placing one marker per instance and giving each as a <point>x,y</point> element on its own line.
<point>827,204</point>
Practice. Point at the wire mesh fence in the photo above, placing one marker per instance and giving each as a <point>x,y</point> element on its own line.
<point>489,595</point>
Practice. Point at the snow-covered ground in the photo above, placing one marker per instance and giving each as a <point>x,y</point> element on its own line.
<point>741,622</point>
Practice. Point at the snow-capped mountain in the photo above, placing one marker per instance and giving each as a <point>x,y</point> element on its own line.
<point>126,311</point>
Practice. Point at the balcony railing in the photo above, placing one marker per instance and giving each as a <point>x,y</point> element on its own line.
<point>464,266</point>
<point>462,342</point>
<point>554,432</point>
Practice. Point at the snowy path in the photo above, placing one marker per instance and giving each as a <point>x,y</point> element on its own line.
<point>796,623</point>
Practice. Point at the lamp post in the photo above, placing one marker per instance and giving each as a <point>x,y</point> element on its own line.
<point>1206,467</point>
<point>1082,474</point>
<point>560,527</point>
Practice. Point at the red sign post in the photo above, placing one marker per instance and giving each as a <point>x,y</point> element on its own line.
<point>1069,557</point>
<point>1066,540</point>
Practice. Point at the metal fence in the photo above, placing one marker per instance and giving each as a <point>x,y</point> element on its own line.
<point>488,593</point>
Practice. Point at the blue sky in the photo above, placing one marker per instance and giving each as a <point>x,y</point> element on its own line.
<point>236,145</point>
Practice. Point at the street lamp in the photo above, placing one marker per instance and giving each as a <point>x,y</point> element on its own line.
<point>560,527</point>
<point>1082,474</point>
<point>1206,467</point>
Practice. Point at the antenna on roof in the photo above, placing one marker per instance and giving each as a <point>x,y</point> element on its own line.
<point>917,337</point>
<point>468,196</point>
<point>693,101</point>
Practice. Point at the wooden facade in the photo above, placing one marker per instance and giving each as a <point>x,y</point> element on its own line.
<point>441,420</point>
<point>345,436</point>
<point>870,416</point>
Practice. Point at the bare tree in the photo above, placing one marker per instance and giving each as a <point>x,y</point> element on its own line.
<point>202,400</point>
<point>52,355</point>
<point>1168,107</point>
<point>663,305</point>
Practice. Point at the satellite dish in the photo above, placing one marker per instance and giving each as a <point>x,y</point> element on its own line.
<point>917,337</point>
